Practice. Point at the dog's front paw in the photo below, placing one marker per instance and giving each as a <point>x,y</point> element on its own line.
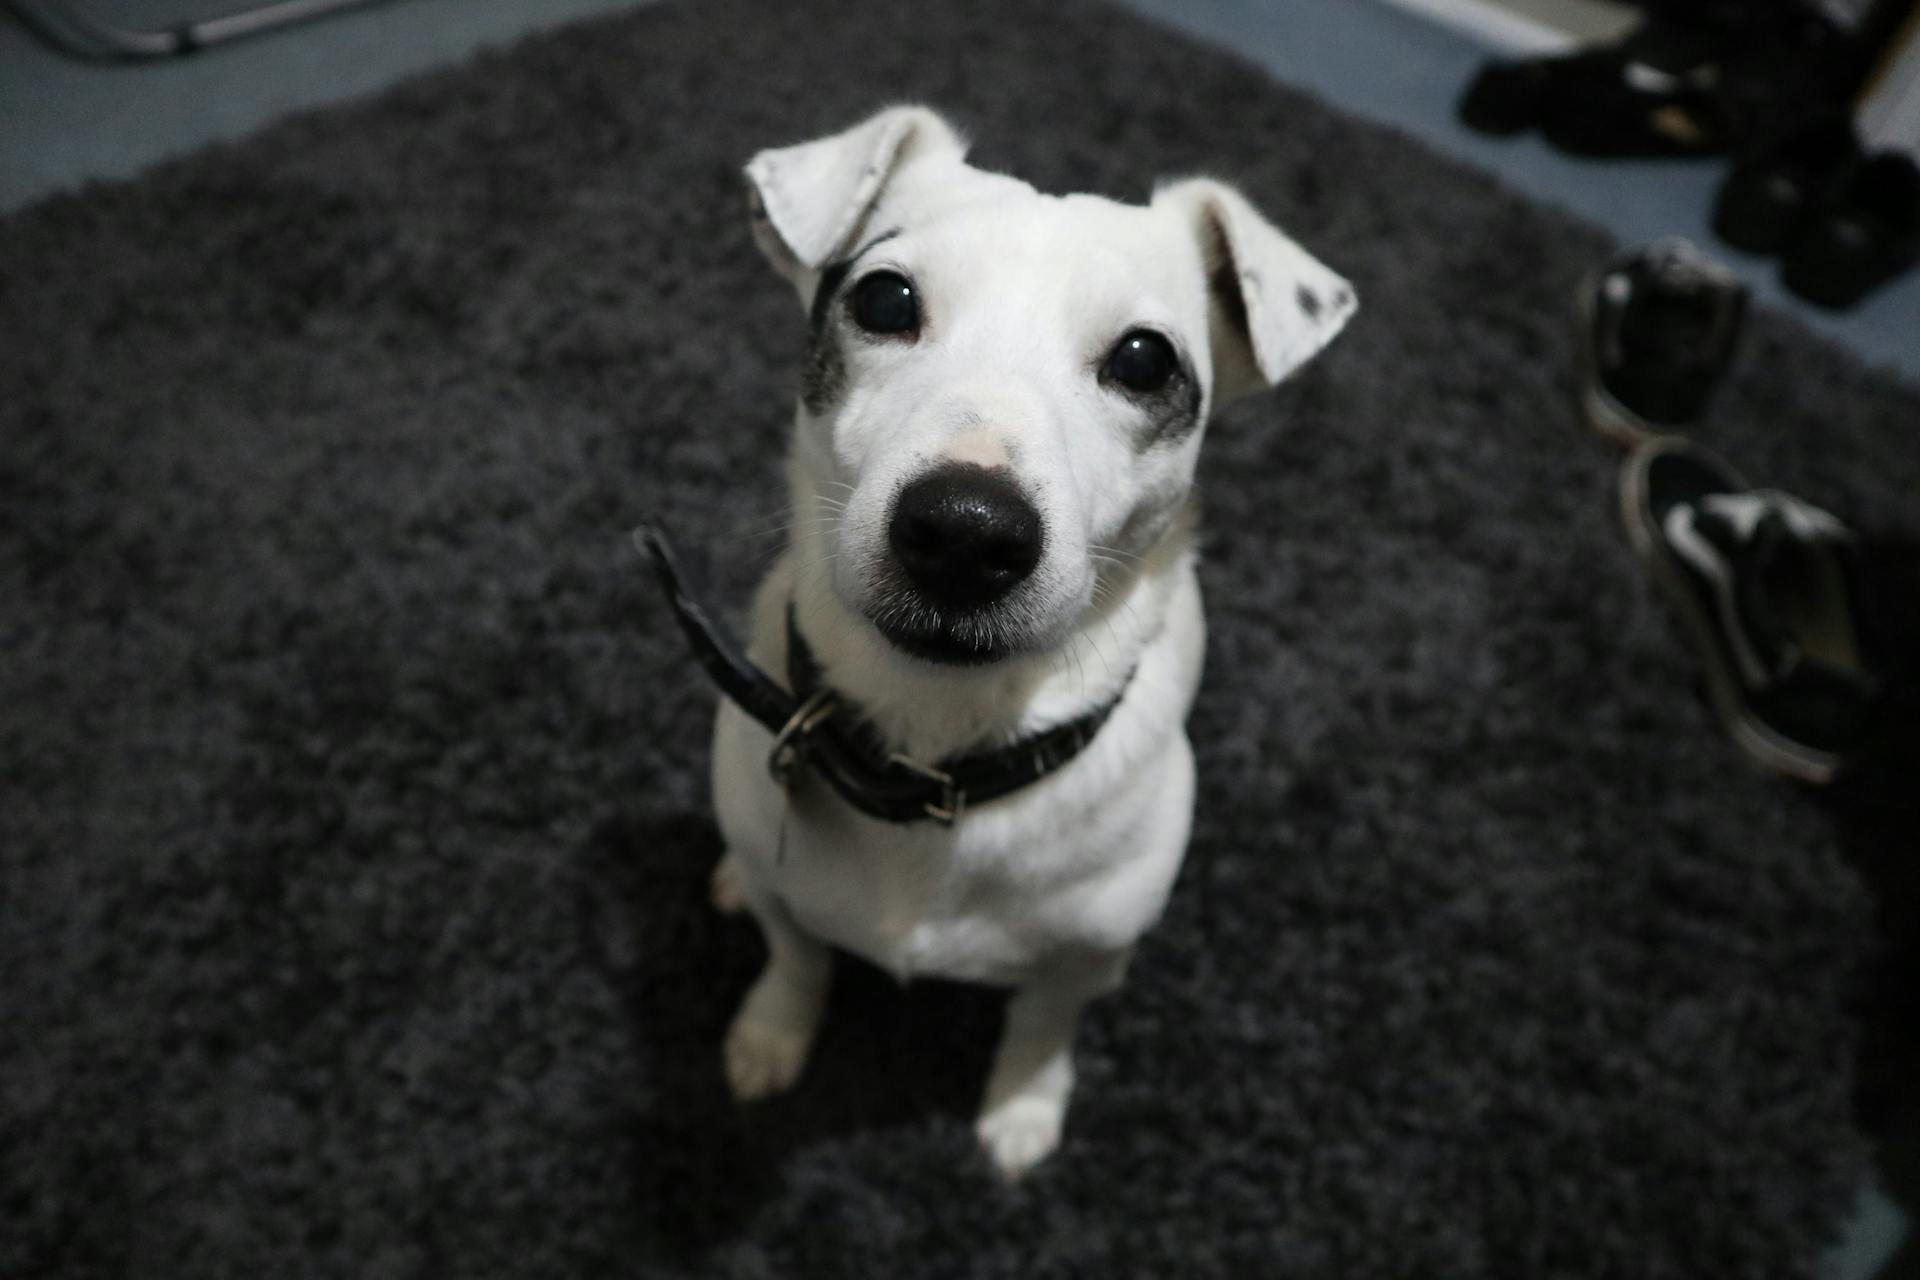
<point>762,1059</point>
<point>1021,1132</point>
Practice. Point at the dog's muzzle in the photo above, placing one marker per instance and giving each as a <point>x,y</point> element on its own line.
<point>964,538</point>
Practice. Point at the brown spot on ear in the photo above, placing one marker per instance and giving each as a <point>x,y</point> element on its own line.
<point>1309,301</point>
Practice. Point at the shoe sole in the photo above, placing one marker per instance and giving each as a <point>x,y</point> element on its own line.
<point>1762,745</point>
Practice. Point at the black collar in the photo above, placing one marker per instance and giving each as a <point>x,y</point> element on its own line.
<point>814,727</point>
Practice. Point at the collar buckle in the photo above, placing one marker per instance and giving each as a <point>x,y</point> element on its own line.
<point>953,801</point>
<point>790,743</point>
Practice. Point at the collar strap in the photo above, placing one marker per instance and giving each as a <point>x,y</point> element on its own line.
<point>815,728</point>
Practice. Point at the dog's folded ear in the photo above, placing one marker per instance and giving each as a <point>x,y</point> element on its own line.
<point>809,201</point>
<point>1273,304</point>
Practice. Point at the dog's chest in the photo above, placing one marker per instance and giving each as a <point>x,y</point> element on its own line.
<point>922,904</point>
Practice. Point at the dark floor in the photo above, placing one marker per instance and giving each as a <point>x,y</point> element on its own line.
<point>63,122</point>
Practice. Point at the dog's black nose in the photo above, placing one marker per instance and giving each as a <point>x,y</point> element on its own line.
<point>965,535</point>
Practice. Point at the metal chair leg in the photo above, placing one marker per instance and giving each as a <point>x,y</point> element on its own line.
<point>69,28</point>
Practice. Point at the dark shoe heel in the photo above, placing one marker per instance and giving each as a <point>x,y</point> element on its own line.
<point>1767,194</point>
<point>1505,98</point>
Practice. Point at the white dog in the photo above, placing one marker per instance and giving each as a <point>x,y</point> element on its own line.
<point>992,568</point>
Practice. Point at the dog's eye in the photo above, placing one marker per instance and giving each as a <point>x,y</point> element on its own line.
<point>885,302</point>
<point>1141,361</point>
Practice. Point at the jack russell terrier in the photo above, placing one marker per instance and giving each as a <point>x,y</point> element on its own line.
<point>973,762</point>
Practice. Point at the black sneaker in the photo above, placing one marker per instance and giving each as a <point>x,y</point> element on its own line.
<point>1770,589</point>
<point>1661,93</point>
<point>1655,331</point>
<point>1767,193</point>
<point>1689,80</point>
<point>1862,232</point>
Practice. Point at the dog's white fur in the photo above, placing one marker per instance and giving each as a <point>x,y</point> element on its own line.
<point>1045,890</point>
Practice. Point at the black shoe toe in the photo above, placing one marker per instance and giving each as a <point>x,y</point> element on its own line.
<point>1865,232</point>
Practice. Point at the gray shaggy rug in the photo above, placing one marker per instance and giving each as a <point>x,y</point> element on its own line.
<point>353,835</point>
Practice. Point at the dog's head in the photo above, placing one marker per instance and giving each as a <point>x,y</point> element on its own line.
<point>1005,392</point>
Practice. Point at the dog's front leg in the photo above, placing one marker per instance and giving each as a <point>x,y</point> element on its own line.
<point>771,1035</point>
<point>1032,1077</point>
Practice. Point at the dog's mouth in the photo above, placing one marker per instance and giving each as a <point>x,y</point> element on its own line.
<point>970,642</point>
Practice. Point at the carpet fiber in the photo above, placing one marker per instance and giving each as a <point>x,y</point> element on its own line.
<point>353,835</point>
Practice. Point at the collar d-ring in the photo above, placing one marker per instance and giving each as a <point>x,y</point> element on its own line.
<point>789,744</point>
